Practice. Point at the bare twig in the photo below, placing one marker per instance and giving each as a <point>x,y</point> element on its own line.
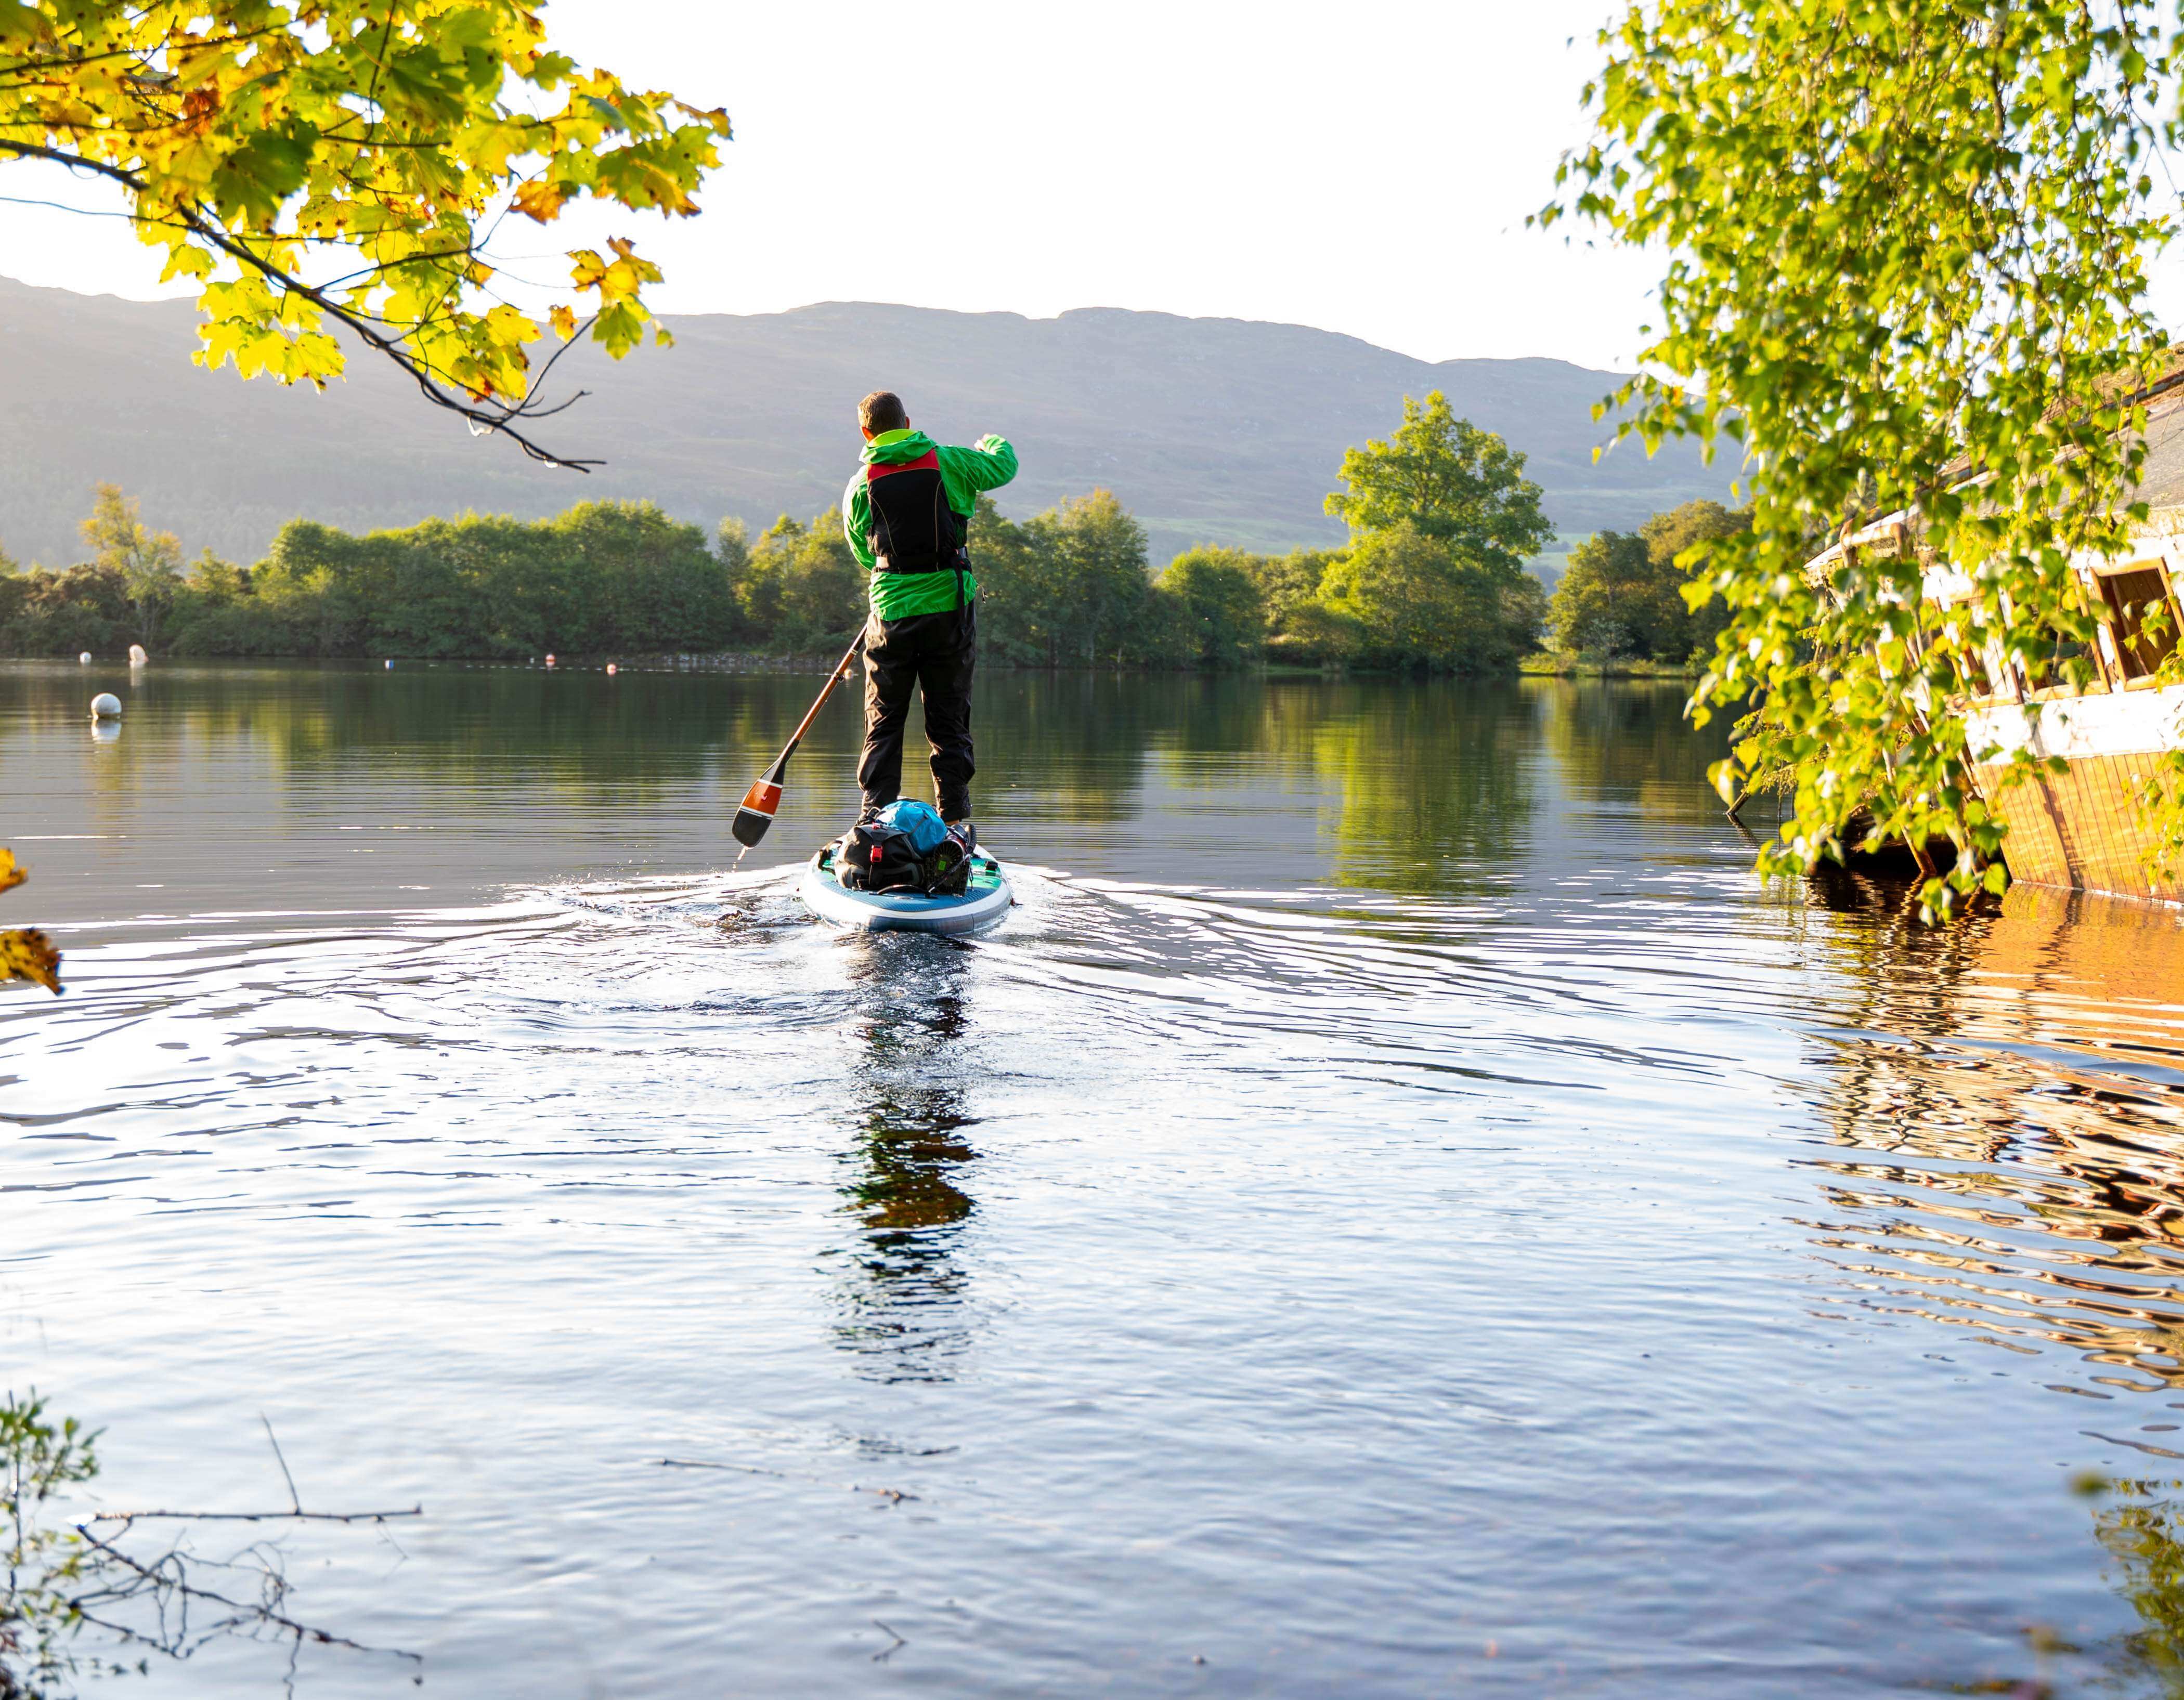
<point>159,1576</point>
<point>295,1499</point>
<point>887,1652</point>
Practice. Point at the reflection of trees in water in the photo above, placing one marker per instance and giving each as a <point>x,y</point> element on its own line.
<point>1436,778</point>
<point>1631,737</point>
<point>580,734</point>
<point>903,1309</point>
<point>62,1575</point>
<point>2143,1529</point>
<point>2008,1180</point>
<point>1437,781</point>
<point>1076,741</point>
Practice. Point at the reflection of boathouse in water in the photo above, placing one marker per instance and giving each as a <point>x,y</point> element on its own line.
<point>2007,1103</point>
<point>2082,827</point>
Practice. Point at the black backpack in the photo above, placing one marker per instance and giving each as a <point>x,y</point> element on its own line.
<point>874,857</point>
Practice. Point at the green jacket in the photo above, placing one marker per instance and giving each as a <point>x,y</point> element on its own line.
<point>964,472</point>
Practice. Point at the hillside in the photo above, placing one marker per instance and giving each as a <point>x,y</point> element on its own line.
<point>1208,429</point>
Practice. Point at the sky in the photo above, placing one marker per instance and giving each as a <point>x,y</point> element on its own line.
<point>1365,168</point>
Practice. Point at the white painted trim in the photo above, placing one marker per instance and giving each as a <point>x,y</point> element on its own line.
<point>2110,723</point>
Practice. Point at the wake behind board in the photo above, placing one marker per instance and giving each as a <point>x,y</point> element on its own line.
<point>985,901</point>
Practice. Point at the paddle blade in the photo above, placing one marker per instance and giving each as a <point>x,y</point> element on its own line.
<point>756,812</point>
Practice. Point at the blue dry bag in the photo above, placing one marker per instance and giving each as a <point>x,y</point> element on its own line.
<point>918,822</point>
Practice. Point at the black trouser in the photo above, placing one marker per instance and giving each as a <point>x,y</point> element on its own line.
<point>932,654</point>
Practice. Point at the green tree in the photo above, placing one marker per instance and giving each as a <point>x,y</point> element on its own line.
<point>802,588</point>
<point>218,612</point>
<point>343,162</point>
<point>659,586</point>
<point>1023,602</point>
<point>150,563</point>
<point>218,581</point>
<point>1097,552</point>
<point>732,549</point>
<point>1906,274</point>
<point>1285,582</point>
<point>1445,478</point>
<point>1312,634</point>
<point>1613,600</point>
<point>1524,615</point>
<point>1419,598</point>
<point>1680,542</point>
<point>1628,595</point>
<point>603,578</point>
<point>83,607</point>
<point>1222,610</point>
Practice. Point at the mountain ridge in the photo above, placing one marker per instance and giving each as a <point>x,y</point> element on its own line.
<point>1209,430</point>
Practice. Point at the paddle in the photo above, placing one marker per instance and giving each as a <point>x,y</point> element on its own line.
<point>764,798</point>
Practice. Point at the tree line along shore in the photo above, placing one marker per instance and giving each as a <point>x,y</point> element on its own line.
<point>1433,579</point>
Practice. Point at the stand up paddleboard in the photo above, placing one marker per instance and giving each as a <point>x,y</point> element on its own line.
<point>984,902</point>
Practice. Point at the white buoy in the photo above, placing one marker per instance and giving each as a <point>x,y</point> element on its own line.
<point>105,706</point>
<point>84,659</point>
<point>610,668</point>
<point>137,658</point>
<point>390,667</point>
<point>549,661</point>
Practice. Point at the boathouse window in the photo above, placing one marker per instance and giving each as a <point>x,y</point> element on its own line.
<point>2144,617</point>
<point>2062,663</point>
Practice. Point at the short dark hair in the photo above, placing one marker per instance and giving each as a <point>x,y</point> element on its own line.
<point>881,410</point>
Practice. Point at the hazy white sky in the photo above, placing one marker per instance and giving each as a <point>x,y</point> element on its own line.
<point>1363,167</point>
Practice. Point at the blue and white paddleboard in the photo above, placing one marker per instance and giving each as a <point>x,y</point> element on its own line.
<point>985,901</point>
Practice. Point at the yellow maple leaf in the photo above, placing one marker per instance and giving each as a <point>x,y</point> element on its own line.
<point>540,200</point>
<point>241,132</point>
<point>24,952</point>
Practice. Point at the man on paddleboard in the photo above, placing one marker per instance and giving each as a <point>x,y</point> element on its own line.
<point>907,515</point>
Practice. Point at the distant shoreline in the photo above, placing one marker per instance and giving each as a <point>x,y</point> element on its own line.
<point>754,662</point>
<point>1572,667</point>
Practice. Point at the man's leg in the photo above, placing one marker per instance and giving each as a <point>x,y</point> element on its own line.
<point>890,676</point>
<point>943,675</point>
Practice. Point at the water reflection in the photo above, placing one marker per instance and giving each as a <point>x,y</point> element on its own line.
<point>86,1593</point>
<point>582,734</point>
<point>2143,1530</point>
<point>1076,741</point>
<point>904,1309</point>
<point>1630,738</point>
<point>1437,782</point>
<point>2010,1102</point>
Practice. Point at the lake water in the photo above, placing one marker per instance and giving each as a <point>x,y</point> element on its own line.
<point>1397,1209</point>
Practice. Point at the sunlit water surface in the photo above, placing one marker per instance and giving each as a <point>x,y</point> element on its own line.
<point>1396,1210</point>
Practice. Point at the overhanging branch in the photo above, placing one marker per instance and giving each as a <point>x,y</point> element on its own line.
<point>481,417</point>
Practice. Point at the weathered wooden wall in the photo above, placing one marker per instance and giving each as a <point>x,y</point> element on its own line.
<point>2081,828</point>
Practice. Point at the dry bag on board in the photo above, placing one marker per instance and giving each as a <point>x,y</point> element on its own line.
<point>905,848</point>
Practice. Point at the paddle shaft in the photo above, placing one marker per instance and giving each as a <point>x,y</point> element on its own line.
<point>841,672</point>
<point>764,798</point>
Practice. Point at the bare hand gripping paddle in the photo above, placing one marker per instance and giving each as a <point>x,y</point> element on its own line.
<point>764,798</point>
